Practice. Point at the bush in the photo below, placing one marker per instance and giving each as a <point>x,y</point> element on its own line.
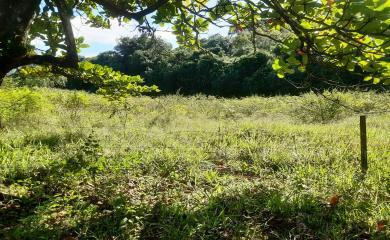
<point>313,108</point>
<point>75,102</point>
<point>31,80</point>
<point>18,103</point>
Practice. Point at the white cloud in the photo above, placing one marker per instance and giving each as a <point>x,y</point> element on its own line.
<point>102,36</point>
<point>167,36</point>
<point>111,36</point>
<point>105,39</point>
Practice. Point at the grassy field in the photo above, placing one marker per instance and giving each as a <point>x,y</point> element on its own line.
<point>76,166</point>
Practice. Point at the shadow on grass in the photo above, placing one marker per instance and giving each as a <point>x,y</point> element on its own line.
<point>258,214</point>
<point>12,209</point>
<point>44,187</point>
<point>55,139</point>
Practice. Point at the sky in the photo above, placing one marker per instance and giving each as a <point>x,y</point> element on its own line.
<point>100,40</point>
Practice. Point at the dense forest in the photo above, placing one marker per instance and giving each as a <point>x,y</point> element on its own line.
<point>225,66</point>
<point>228,66</point>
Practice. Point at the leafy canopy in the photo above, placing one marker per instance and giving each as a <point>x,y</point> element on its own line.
<point>353,34</point>
<point>112,84</point>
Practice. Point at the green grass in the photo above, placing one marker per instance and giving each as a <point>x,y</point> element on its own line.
<point>194,168</point>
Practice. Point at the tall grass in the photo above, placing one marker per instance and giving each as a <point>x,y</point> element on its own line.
<point>195,168</point>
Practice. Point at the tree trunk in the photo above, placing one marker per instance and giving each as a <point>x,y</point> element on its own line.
<point>2,75</point>
<point>65,13</point>
<point>15,20</point>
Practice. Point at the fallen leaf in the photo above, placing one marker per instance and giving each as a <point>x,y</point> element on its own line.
<point>380,225</point>
<point>334,200</point>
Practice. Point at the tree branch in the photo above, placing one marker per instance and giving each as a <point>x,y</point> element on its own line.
<point>71,49</point>
<point>109,5</point>
<point>44,60</point>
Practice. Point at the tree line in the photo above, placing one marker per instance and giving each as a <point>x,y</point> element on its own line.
<point>225,66</point>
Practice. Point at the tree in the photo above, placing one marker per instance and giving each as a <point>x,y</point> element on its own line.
<point>109,58</point>
<point>142,54</point>
<point>354,34</point>
<point>217,44</point>
<point>234,71</point>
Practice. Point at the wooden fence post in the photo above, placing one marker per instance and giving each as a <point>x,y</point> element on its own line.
<point>363,143</point>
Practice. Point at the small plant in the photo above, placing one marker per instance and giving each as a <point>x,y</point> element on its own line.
<point>18,104</point>
<point>74,103</point>
<point>313,108</point>
<point>86,153</point>
<point>162,119</point>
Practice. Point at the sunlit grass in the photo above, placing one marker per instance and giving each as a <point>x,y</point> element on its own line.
<point>194,168</point>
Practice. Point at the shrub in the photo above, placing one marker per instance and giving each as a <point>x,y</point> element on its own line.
<point>313,108</point>
<point>18,104</point>
<point>74,103</point>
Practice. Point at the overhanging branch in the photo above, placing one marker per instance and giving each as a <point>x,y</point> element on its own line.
<point>71,48</point>
<point>45,60</point>
<point>109,5</point>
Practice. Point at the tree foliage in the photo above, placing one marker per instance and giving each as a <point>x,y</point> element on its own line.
<point>353,34</point>
<point>112,84</point>
<point>225,67</point>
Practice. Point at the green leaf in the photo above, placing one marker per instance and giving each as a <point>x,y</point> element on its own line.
<point>379,41</point>
<point>280,75</point>
<point>276,65</point>
<point>368,78</point>
<point>305,59</point>
<point>302,68</point>
<point>351,66</point>
<point>293,61</point>
<point>306,24</point>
